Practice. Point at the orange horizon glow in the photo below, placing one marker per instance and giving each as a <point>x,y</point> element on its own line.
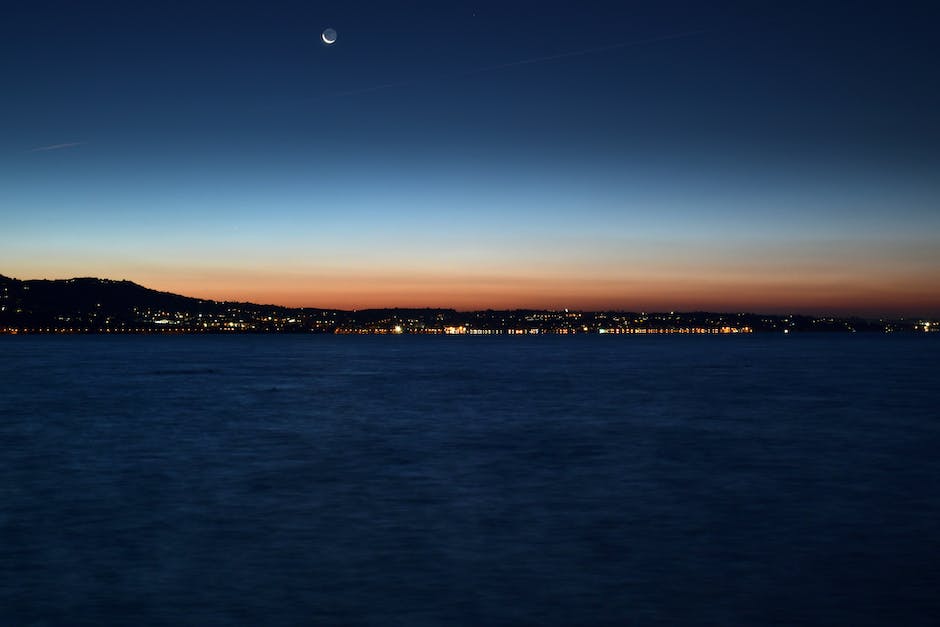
<point>889,276</point>
<point>875,289</point>
<point>888,298</point>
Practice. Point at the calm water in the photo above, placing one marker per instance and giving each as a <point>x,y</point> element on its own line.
<point>284,480</point>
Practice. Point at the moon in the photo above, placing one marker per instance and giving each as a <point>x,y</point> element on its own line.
<point>328,36</point>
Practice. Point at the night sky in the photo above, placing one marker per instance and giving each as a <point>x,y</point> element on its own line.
<point>775,156</point>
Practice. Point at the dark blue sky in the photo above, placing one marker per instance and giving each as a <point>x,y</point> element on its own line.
<point>671,154</point>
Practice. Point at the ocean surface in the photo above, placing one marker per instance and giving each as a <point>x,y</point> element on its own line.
<point>589,480</point>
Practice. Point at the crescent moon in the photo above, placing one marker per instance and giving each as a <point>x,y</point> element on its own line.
<point>328,36</point>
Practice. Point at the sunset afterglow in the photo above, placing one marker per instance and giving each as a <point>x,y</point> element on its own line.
<point>685,165</point>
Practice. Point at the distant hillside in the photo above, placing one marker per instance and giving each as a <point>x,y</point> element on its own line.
<point>87,293</point>
<point>90,305</point>
<point>91,301</point>
<point>84,305</point>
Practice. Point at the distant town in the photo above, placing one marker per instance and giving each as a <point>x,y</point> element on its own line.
<point>91,305</point>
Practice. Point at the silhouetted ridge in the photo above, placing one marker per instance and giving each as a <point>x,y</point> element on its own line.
<point>89,305</point>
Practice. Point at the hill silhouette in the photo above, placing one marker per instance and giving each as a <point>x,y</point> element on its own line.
<point>89,300</point>
<point>90,305</point>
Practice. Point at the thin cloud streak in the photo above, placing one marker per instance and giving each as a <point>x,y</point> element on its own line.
<point>56,147</point>
<point>511,64</point>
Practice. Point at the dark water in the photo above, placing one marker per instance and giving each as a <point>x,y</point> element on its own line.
<point>282,480</point>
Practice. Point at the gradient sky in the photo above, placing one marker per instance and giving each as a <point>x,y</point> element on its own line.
<point>774,156</point>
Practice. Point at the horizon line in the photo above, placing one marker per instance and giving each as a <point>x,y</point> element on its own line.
<point>576,309</point>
